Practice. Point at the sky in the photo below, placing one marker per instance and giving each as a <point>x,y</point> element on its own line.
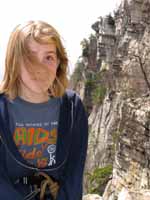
<point>72,19</point>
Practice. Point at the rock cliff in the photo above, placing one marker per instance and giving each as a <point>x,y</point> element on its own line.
<point>113,78</point>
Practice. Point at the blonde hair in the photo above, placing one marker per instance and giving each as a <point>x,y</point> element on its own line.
<point>18,51</point>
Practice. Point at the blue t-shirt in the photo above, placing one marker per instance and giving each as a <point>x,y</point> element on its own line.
<point>34,127</point>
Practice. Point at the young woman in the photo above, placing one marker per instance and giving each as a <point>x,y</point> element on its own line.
<point>43,125</point>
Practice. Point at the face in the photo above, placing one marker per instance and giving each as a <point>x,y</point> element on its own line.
<point>46,73</point>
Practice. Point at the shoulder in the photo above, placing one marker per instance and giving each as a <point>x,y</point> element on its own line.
<point>73,96</point>
<point>2,97</point>
<point>77,103</point>
<point>2,104</point>
<point>70,93</point>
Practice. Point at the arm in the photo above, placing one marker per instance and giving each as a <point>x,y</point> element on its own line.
<point>7,191</point>
<point>72,186</point>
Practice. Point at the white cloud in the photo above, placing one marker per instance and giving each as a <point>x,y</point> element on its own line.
<point>73,19</point>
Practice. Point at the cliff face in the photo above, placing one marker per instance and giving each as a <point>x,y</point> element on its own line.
<point>114,84</point>
<point>131,172</point>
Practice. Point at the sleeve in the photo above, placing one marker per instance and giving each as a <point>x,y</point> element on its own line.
<point>7,191</point>
<point>71,188</point>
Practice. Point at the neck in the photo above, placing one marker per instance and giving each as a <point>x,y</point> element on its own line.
<point>32,96</point>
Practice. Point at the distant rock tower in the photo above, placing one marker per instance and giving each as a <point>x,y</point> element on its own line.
<point>105,33</point>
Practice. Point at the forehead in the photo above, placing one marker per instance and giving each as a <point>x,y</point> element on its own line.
<point>38,47</point>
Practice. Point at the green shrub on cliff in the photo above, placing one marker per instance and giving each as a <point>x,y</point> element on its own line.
<point>77,74</point>
<point>98,179</point>
<point>98,94</point>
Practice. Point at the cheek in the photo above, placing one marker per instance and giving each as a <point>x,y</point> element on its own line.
<point>52,71</point>
<point>24,75</point>
<point>46,75</point>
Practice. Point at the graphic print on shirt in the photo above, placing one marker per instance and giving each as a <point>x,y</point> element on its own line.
<point>51,149</point>
<point>37,142</point>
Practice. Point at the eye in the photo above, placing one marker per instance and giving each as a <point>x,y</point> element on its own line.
<point>49,58</point>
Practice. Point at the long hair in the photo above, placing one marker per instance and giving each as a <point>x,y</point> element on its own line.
<point>18,51</point>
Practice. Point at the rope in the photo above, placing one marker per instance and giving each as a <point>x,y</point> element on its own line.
<point>48,182</point>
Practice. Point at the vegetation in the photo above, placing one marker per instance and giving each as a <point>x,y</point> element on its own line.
<point>111,20</point>
<point>92,36</point>
<point>85,47</point>
<point>78,72</point>
<point>95,88</point>
<point>90,83</point>
<point>98,94</point>
<point>98,179</point>
<point>115,138</point>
